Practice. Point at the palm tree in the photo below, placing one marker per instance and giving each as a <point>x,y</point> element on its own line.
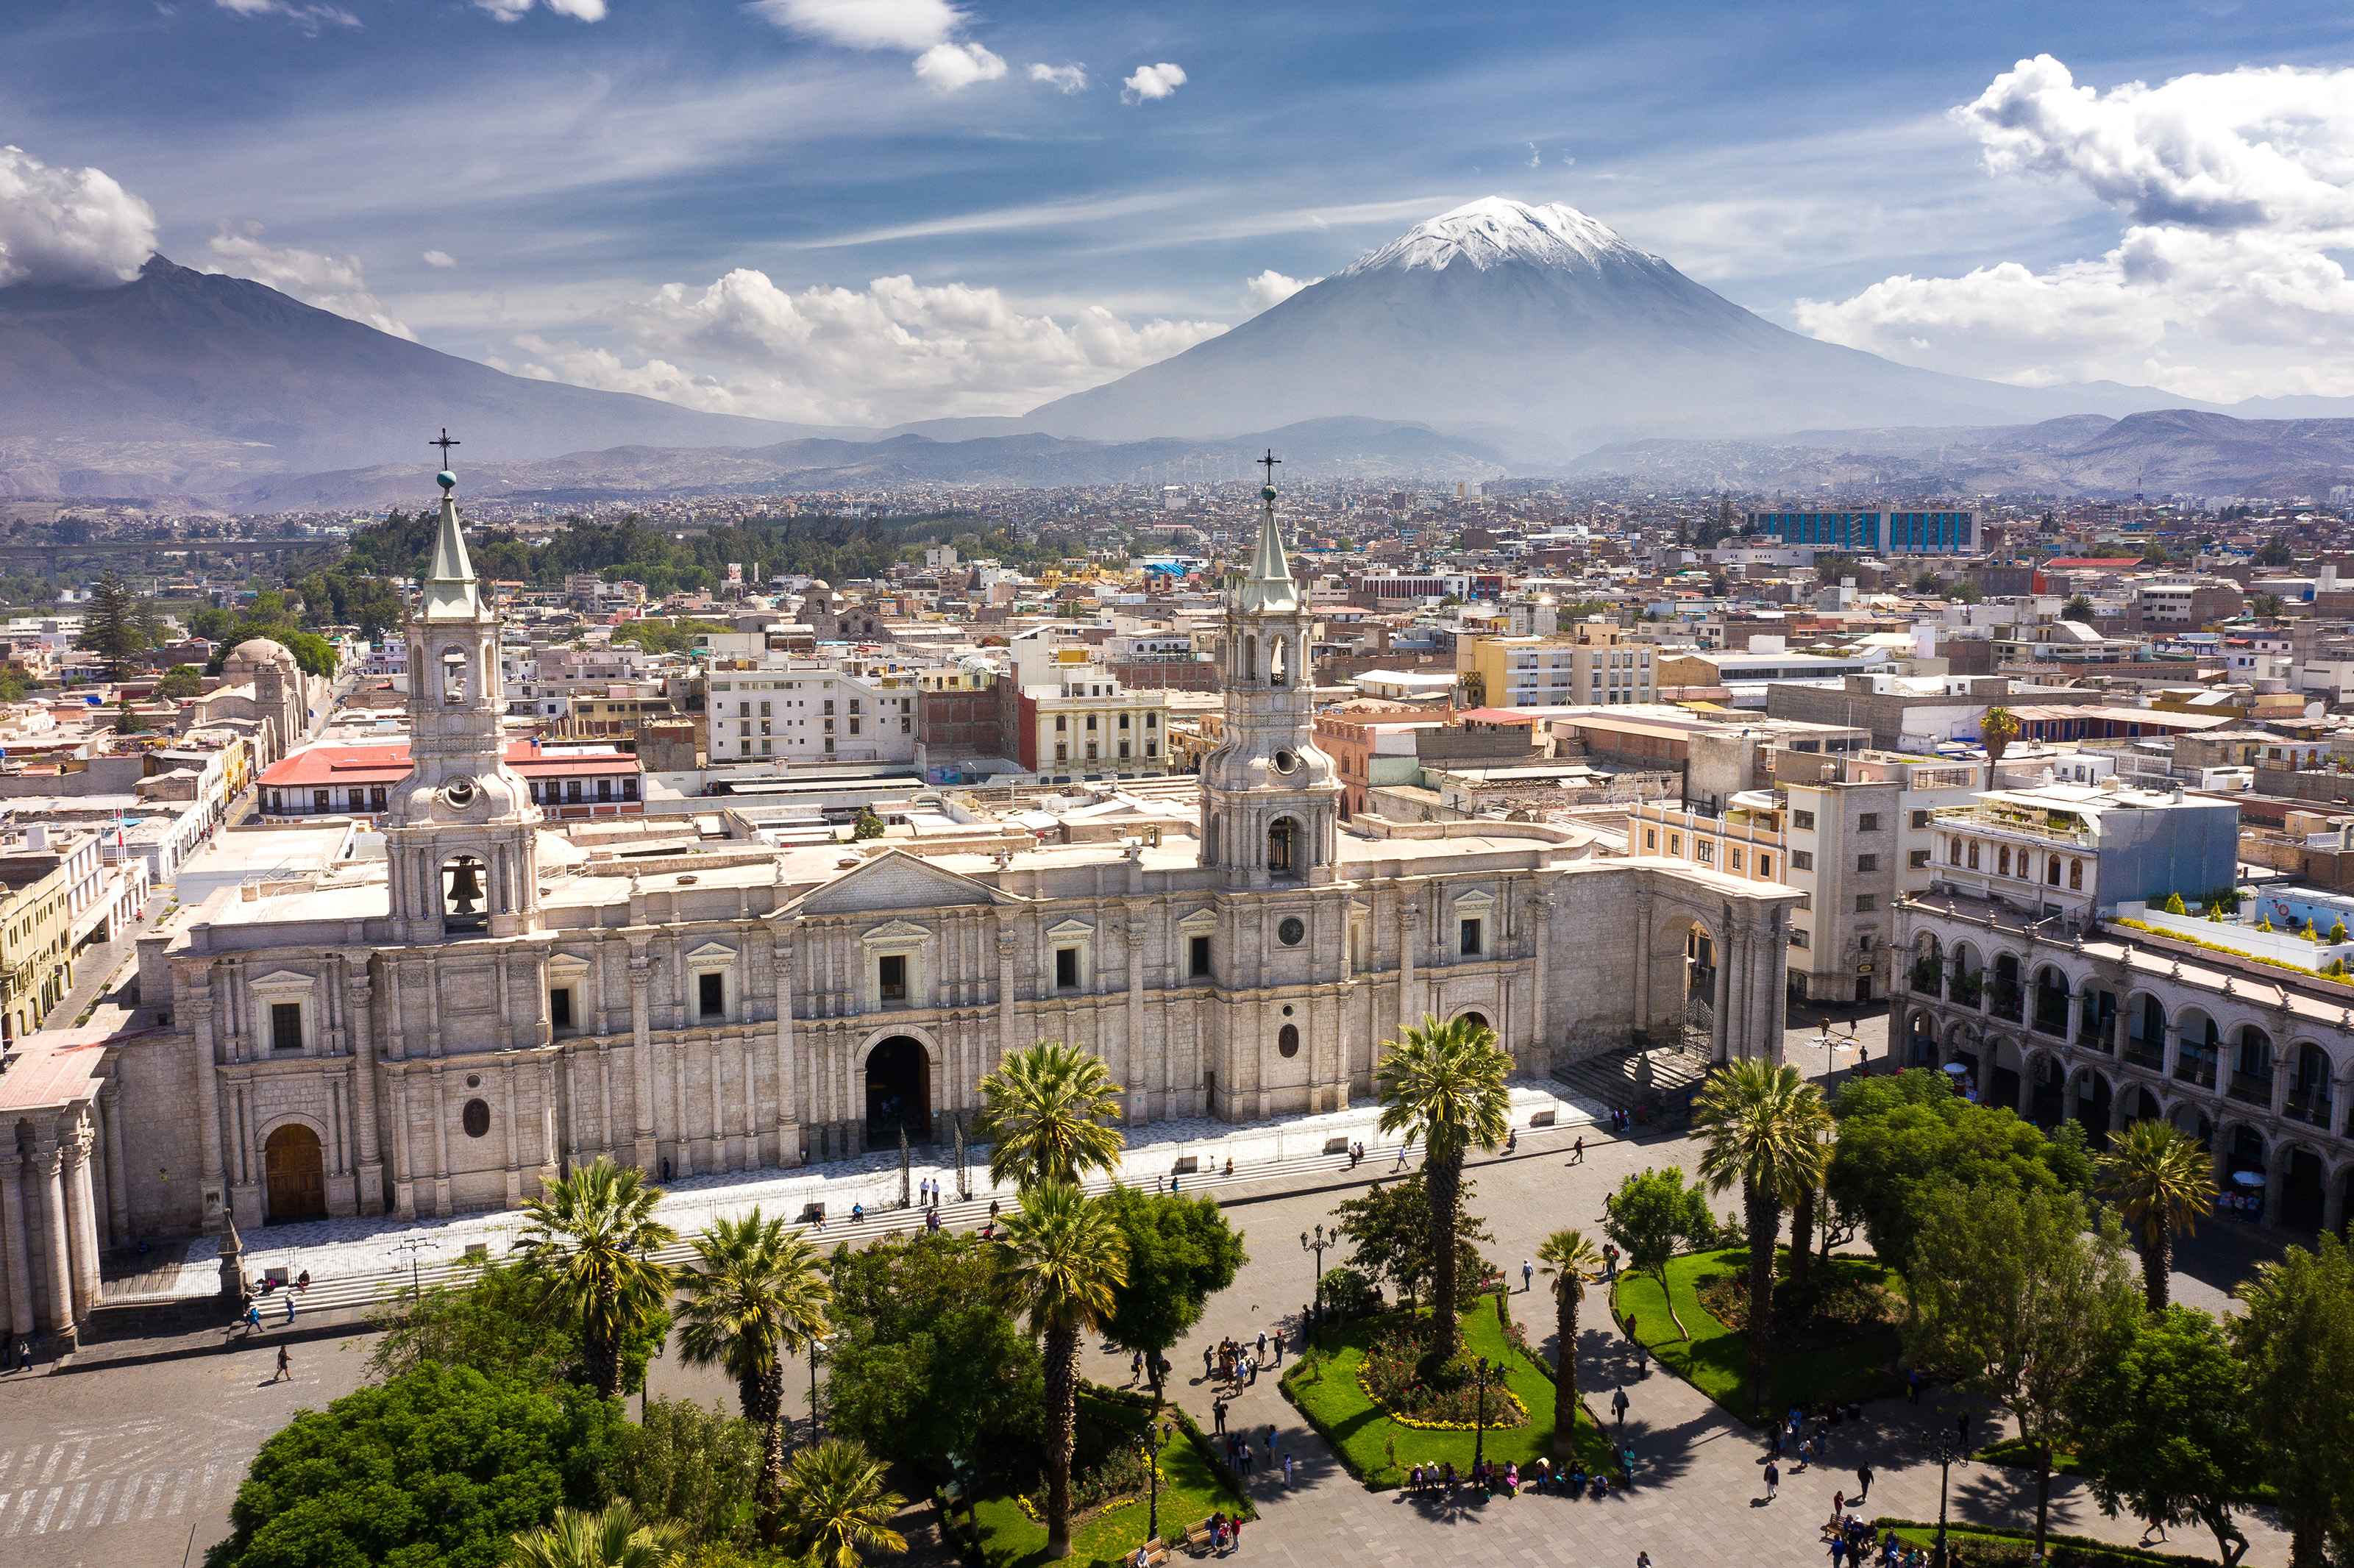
<point>1805,1185</point>
<point>613,1538</point>
<point>1570,1259</point>
<point>590,1237</point>
<point>1045,1116</point>
<point>2160,1180</point>
<point>1758,1134</point>
<point>1997,731</point>
<point>836,1503</point>
<point>758,1295</point>
<point>1065,1254</point>
<point>1443,1083</point>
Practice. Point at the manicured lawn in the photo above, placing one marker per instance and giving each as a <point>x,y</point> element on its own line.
<point>2013,1547</point>
<point>1336,1405</point>
<point>1716,1359</point>
<point>1191,1491</point>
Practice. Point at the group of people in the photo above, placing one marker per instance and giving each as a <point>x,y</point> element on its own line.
<point>1808,1429</point>
<point>1852,1543</point>
<point>1507,1480</point>
<point>1235,1361</point>
<point>1243,1459</point>
<point>1225,1533</point>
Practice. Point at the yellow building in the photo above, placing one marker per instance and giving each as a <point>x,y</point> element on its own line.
<point>36,945</point>
<point>1591,664</point>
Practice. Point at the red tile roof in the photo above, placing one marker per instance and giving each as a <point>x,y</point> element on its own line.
<point>389,764</point>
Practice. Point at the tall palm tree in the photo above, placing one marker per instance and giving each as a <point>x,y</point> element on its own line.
<point>2160,1180</point>
<point>757,1295</point>
<point>1046,1114</point>
<point>590,1235</point>
<point>1443,1083</point>
<point>1997,731</point>
<point>1570,1259</point>
<point>836,1504</point>
<point>1756,1132</point>
<point>613,1538</point>
<point>1065,1254</point>
<point>1806,1185</point>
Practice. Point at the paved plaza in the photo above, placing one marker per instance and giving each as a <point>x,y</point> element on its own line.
<point>129,1457</point>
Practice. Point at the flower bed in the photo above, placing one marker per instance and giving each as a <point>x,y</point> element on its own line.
<point>1391,1374</point>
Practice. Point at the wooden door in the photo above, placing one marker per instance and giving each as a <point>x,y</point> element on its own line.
<point>298,1178</point>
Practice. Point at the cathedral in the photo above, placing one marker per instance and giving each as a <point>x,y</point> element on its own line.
<point>487,1006</point>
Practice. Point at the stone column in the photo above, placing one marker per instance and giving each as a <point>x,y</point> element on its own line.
<point>1006,942</point>
<point>15,1225</point>
<point>57,1257</point>
<point>356,989</point>
<point>209,1173</point>
<point>1719,1034</point>
<point>789,1136</point>
<point>404,1186</point>
<point>1137,1105</point>
<point>1409,927</point>
<point>1539,912</point>
<point>81,1218</point>
<point>642,1058</point>
<point>440,1086</point>
<point>118,1175</point>
<point>2170,1051</point>
<point>513,1144</point>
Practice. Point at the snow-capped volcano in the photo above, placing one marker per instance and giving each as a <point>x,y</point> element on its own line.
<point>1500,317</point>
<point>1496,231</point>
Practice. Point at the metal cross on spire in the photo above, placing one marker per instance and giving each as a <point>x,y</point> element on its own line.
<point>1267,463</point>
<point>445,443</point>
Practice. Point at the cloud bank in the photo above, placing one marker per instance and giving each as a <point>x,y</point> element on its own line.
<point>895,351</point>
<point>1150,82</point>
<point>516,10</point>
<point>2234,188</point>
<point>925,28</point>
<point>1272,288</point>
<point>73,229</point>
<point>311,19</point>
<point>337,283</point>
<point>1068,78</point>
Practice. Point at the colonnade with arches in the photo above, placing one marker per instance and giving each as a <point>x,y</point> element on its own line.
<point>2103,1034</point>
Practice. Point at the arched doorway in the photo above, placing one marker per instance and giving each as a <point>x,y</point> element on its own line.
<point>1477,1020</point>
<point>465,901</point>
<point>2094,1109</point>
<point>2301,1190</point>
<point>1282,848</point>
<point>2043,1102</point>
<point>898,1092</point>
<point>298,1175</point>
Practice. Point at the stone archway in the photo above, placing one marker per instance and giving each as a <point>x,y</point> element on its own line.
<point>465,895</point>
<point>297,1173</point>
<point>2093,1105</point>
<point>898,1078</point>
<point>1476,1018</point>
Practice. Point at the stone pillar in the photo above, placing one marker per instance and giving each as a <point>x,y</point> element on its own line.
<point>210,1177</point>
<point>57,1256</point>
<point>118,1174</point>
<point>1137,1101</point>
<point>15,1230</point>
<point>81,1218</point>
<point>363,1034</point>
<point>1540,911</point>
<point>1006,943</point>
<point>513,1144</point>
<point>404,1186</point>
<point>789,1136</point>
<point>441,1088</point>
<point>1720,1035</point>
<point>642,1058</point>
<point>2170,1051</point>
<point>1409,999</point>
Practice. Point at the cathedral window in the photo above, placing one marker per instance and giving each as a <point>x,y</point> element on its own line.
<point>1197,965</point>
<point>710,996</point>
<point>1287,1041</point>
<point>891,977</point>
<point>1279,836</point>
<point>1469,936</point>
<point>1091,721</point>
<point>559,1006</point>
<point>286,1026</point>
<point>1062,724</point>
<point>475,1118</point>
<point>1067,968</point>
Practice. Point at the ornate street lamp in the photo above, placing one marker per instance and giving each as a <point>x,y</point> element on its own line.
<point>1316,1246</point>
<point>1152,1440</point>
<point>1479,1427</point>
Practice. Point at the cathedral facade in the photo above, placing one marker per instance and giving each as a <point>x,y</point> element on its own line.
<point>448,1028</point>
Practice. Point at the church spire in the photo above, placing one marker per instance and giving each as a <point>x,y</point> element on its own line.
<point>450,591</point>
<point>1269,588</point>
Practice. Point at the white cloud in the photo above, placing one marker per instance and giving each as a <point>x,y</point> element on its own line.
<point>1271,288</point>
<point>1534,156</point>
<point>910,24</point>
<point>337,283</point>
<point>312,19</point>
<point>944,68</point>
<point>896,350</point>
<point>74,228</point>
<point>1068,78</point>
<point>516,10</point>
<point>1152,81</point>
<point>2235,189</point>
<point>440,259</point>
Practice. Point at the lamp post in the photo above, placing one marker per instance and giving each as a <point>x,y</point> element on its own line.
<point>817,1344</point>
<point>1151,1442</point>
<point>1945,1450</point>
<point>1316,1246</point>
<point>1480,1426</point>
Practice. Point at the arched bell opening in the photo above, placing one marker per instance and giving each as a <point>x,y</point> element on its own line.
<point>465,900</point>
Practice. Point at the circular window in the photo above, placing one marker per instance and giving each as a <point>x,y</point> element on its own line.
<point>476,1117</point>
<point>459,792</point>
<point>473,1080</point>
<point>1289,1041</point>
<point>1285,762</point>
<point>1291,933</point>
<point>1287,1012</point>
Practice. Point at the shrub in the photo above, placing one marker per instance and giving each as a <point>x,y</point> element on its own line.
<point>1350,1292</point>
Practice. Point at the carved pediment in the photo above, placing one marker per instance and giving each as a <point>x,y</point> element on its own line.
<point>896,881</point>
<point>1070,931</point>
<point>1200,923</point>
<point>712,953</point>
<point>566,964</point>
<point>282,979</point>
<point>896,932</point>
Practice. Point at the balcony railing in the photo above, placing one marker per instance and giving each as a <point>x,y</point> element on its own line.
<point>2251,1087</point>
<point>2052,1012</point>
<point>2309,1106</point>
<point>2143,1054</point>
<point>2008,1000</point>
<point>2191,1071</point>
<point>2100,1037</point>
<point>1970,988</point>
<point>1928,977</point>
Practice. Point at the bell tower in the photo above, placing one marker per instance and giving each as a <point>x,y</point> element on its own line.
<point>1271,802</point>
<point>460,833</point>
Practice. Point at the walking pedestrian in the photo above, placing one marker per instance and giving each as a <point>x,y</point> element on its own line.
<point>1254,1371</point>
<point>24,1352</point>
<point>1839,1507</point>
<point>1577,1152</point>
<point>252,1317</point>
<point>1630,1328</point>
<point>1913,1385</point>
<point>1209,1363</point>
<point>1839,1550</point>
<point>289,1309</point>
<point>1862,1482</point>
<point>1528,1275</point>
<point>1287,1472</point>
<point>1642,1559</point>
<point>1279,1347</point>
<point>1618,1403</point>
<point>1262,1342</point>
<point>285,1366</point>
<point>1773,1480</point>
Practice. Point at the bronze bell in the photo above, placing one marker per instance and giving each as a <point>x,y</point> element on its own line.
<point>465,888</point>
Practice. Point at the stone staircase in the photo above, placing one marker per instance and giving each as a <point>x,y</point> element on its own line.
<point>1658,1079</point>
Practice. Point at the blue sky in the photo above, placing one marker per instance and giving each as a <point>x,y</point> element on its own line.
<point>569,171</point>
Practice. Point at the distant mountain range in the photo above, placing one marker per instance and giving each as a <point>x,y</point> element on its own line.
<point>2168,451</point>
<point>1497,337</point>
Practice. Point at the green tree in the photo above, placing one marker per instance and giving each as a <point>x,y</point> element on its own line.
<point>112,622</point>
<point>1389,1232</point>
<point>1904,1138</point>
<point>1756,1133</point>
<point>2162,1182</point>
<point>126,720</point>
<point>1654,1216</point>
<point>755,1296</point>
<point>1181,1252</point>
<point>180,681</point>
<point>693,1466</point>
<point>2275,551</point>
<point>2267,605</point>
<point>1806,1177</point>
<point>2161,1428</point>
<point>1044,1111</point>
<point>2295,1336</point>
<point>1444,1083</point>
<point>591,1236</point>
<point>2078,607</point>
<point>866,825</point>
<point>212,623</point>
<point>926,1361</point>
<point>1066,1257</point>
<point>496,1322</point>
<point>836,1505</point>
<point>611,1538</point>
<point>2014,1298</point>
<point>1997,730</point>
<point>442,1466</point>
<point>656,635</point>
<point>1965,592</point>
<point>1570,1260</point>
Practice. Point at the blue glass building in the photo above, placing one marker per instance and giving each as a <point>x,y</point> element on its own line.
<point>1894,533</point>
